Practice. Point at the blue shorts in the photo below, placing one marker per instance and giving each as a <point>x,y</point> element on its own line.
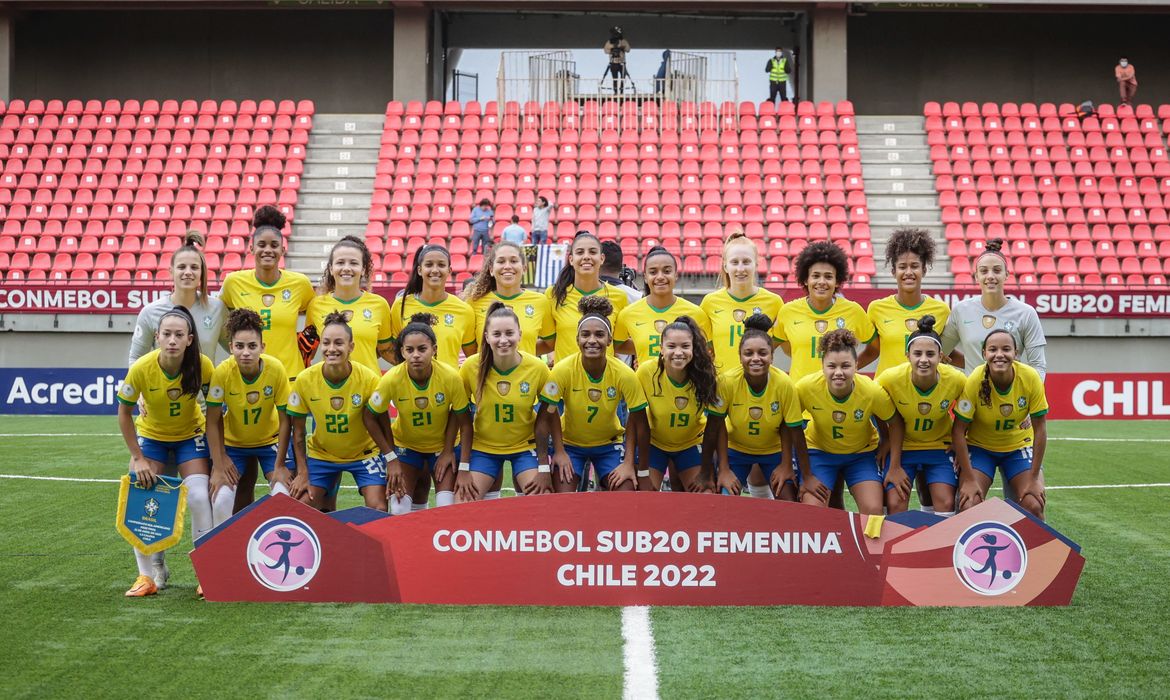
<point>937,465</point>
<point>682,459</point>
<point>604,458</point>
<point>1012,464</point>
<point>370,471</point>
<point>422,461</point>
<point>493,464</point>
<point>741,463</point>
<point>240,455</point>
<point>857,468</point>
<point>181,450</point>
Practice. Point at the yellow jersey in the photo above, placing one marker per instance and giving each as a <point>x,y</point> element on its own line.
<point>505,418</point>
<point>727,313</point>
<point>676,419</point>
<point>754,420</point>
<point>339,435</point>
<point>279,306</point>
<point>927,415</point>
<point>566,316</point>
<point>423,411</point>
<point>1003,426</point>
<point>589,406</point>
<point>531,308</point>
<point>368,317</point>
<point>843,426</point>
<point>894,324</point>
<point>171,415</point>
<point>454,328</point>
<point>643,324</point>
<point>801,327</point>
<point>250,408</point>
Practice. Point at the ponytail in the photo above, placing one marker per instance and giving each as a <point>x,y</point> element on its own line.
<point>655,251</point>
<point>193,243</point>
<point>985,385</point>
<point>191,368</point>
<point>498,309</point>
<point>568,275</point>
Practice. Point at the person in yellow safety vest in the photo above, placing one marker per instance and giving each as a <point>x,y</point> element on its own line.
<point>778,69</point>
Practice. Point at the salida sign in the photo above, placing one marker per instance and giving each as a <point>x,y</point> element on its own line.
<point>598,549</point>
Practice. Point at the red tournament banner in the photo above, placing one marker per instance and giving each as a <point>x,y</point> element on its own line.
<point>1119,396</point>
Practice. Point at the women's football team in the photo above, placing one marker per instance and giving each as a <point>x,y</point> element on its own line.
<point>470,393</point>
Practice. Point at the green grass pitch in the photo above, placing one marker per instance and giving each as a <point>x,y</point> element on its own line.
<point>66,630</point>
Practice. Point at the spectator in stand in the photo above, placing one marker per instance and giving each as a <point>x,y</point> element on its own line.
<point>778,68</point>
<point>616,48</point>
<point>1126,80</point>
<point>663,71</point>
<point>540,220</point>
<point>514,232</point>
<point>482,220</point>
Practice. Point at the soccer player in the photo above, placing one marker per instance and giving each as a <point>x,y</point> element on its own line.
<point>504,384</point>
<point>367,315</point>
<point>432,411</point>
<point>822,269</point>
<point>587,388</point>
<point>758,420</point>
<point>246,422</point>
<point>499,280</point>
<point>924,393</point>
<point>842,440</point>
<point>279,296</point>
<point>335,392</point>
<point>580,277</point>
<point>1000,422</point>
<point>168,380</point>
<point>971,319</point>
<point>739,297</point>
<point>639,326</point>
<point>909,254</point>
<point>679,387</point>
<point>426,292</point>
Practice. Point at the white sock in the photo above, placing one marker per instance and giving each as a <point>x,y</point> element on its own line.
<point>145,564</point>
<point>492,495</point>
<point>199,503</point>
<point>400,506</point>
<point>222,506</point>
<point>926,509</point>
<point>947,514</point>
<point>278,487</point>
<point>159,558</point>
<point>763,491</point>
<point>444,498</point>
<point>416,507</point>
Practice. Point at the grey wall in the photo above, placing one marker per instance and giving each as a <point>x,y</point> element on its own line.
<point>899,60</point>
<point>340,59</point>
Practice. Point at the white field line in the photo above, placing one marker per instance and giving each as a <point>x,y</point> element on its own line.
<point>641,670</point>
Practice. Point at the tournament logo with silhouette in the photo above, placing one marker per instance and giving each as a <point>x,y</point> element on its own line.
<point>990,558</point>
<point>911,324</point>
<point>756,412</point>
<point>988,321</point>
<point>659,325</point>
<point>284,554</point>
<point>739,315</point>
<point>594,395</point>
<point>174,394</point>
<point>821,326</point>
<point>268,299</point>
<point>502,388</point>
<point>924,408</point>
<point>252,397</point>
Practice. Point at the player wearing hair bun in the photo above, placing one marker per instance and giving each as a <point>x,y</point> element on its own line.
<point>924,393</point>
<point>426,293</point>
<point>432,411</point>
<point>342,291</point>
<point>680,386</point>
<point>335,392</point>
<point>1001,423</point>
<point>909,254</point>
<point>580,277</point>
<point>499,280</point>
<point>587,389</point>
<point>279,296</point>
<point>639,326</point>
<point>739,297</point>
<point>246,422</point>
<point>842,439</point>
<point>170,428</point>
<point>822,269</point>
<point>504,384</point>
<point>758,421</point>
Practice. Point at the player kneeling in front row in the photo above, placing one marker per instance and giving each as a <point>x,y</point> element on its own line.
<point>587,388</point>
<point>335,392</point>
<point>432,412</point>
<point>758,421</point>
<point>1000,422</point>
<point>924,393</point>
<point>841,437</point>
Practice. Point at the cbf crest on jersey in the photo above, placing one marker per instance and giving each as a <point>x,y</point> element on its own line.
<point>286,295</point>
<point>525,387</point>
<point>267,392</point>
<point>449,319</point>
<point>529,310</point>
<point>356,400</point>
<point>440,398</point>
<point>945,404</point>
<point>611,392</point>
<point>775,406</point>
<point>858,414</point>
<point>268,299</point>
<point>1022,402</point>
<point>503,387</point>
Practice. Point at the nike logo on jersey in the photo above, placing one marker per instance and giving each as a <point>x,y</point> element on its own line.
<point>718,311</point>
<point>243,294</point>
<point>903,403</point>
<point>887,320</point>
<point>576,390</point>
<point>233,393</point>
<point>967,322</point>
<point>797,323</point>
<point>817,408</point>
<point>154,388</point>
<point>314,399</point>
<point>639,323</point>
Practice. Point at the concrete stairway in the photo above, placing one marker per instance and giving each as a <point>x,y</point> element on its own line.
<point>899,188</point>
<point>336,187</point>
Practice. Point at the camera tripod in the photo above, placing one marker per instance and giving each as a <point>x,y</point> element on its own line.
<point>622,80</point>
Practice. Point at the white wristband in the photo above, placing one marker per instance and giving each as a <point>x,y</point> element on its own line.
<point>643,473</point>
<point>543,469</point>
<point>464,467</point>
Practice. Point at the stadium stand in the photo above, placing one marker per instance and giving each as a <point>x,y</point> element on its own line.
<point>1080,201</point>
<point>682,175</point>
<point>106,190</point>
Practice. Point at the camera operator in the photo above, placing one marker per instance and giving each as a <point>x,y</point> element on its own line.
<point>616,48</point>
